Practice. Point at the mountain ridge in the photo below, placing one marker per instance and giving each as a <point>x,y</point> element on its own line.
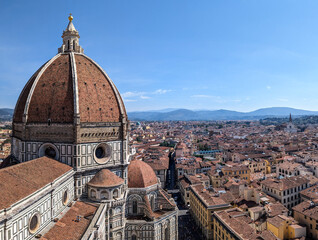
<point>221,114</point>
<point>173,114</point>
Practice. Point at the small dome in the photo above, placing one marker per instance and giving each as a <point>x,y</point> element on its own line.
<point>105,178</point>
<point>140,175</point>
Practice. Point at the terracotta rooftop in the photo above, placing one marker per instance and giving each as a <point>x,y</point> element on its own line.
<point>105,178</point>
<point>51,93</point>
<point>21,180</point>
<point>310,193</point>
<point>140,175</point>
<point>308,208</point>
<point>209,198</point>
<point>238,222</point>
<point>68,227</point>
<point>285,183</point>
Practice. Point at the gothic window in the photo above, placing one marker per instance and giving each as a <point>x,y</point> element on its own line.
<point>134,237</point>
<point>134,206</point>
<point>65,197</point>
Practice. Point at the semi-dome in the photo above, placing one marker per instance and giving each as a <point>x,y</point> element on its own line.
<point>140,175</point>
<point>105,178</point>
<point>69,88</point>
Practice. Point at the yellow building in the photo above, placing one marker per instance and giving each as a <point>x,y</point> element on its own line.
<point>306,213</point>
<point>256,165</point>
<point>216,179</point>
<point>285,227</point>
<point>203,204</point>
<point>240,171</point>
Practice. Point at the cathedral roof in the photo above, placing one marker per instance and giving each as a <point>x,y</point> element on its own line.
<point>105,178</point>
<point>140,175</point>
<point>21,180</point>
<point>69,88</point>
<point>67,227</point>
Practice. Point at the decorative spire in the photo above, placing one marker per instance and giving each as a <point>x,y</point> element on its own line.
<point>70,39</point>
<point>70,18</point>
<point>290,118</point>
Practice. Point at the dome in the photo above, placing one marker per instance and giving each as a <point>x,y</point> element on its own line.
<point>105,178</point>
<point>69,88</point>
<point>140,175</point>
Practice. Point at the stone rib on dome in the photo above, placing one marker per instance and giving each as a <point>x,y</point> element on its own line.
<point>50,93</point>
<point>105,178</point>
<point>140,175</point>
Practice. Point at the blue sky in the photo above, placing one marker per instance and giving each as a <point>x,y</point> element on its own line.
<point>234,54</point>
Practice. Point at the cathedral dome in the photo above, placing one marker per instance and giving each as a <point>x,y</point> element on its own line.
<point>69,88</point>
<point>140,175</point>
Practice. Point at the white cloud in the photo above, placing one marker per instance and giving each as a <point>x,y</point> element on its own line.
<point>162,91</point>
<point>132,94</point>
<point>282,99</point>
<point>144,97</point>
<point>269,87</point>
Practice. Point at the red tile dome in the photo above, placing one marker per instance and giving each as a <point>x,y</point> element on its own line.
<point>105,178</point>
<point>140,175</point>
<point>69,85</point>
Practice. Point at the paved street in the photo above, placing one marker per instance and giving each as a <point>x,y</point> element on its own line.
<point>187,227</point>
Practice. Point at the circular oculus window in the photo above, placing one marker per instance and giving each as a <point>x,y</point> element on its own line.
<point>50,152</point>
<point>102,153</point>
<point>34,223</point>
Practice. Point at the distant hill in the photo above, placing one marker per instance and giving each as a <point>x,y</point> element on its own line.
<point>187,115</point>
<point>6,114</point>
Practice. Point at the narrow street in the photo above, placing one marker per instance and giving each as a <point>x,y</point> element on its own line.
<point>187,228</point>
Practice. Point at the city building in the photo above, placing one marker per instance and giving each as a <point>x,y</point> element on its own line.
<point>286,190</point>
<point>290,127</point>
<point>306,213</point>
<point>238,171</point>
<point>203,203</point>
<point>285,227</point>
<point>235,224</point>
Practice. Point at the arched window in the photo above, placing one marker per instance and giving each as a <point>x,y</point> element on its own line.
<point>134,237</point>
<point>93,194</point>
<point>134,206</point>
<point>68,44</point>
<point>115,193</point>
<point>152,203</point>
<point>74,45</point>
<point>167,236</point>
<point>104,195</point>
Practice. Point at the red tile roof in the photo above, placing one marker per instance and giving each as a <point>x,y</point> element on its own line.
<point>105,178</point>
<point>140,175</point>
<point>21,180</point>
<point>67,227</point>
